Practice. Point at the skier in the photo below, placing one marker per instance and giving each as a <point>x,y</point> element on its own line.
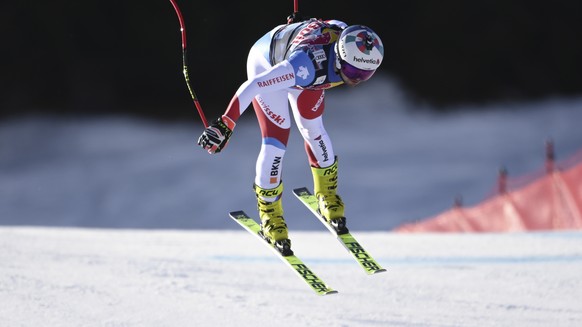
<point>295,63</point>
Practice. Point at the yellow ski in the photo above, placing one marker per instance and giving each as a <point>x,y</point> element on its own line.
<point>362,256</point>
<point>298,266</point>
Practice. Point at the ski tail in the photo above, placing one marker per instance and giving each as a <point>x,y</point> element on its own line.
<point>349,242</point>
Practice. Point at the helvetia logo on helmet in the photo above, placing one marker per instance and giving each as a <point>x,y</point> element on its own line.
<point>367,61</point>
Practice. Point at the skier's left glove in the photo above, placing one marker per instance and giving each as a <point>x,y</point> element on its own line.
<point>215,137</point>
<point>295,17</point>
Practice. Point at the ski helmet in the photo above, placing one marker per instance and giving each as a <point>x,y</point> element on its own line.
<point>360,52</point>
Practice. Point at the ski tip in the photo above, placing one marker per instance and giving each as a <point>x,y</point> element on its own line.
<point>330,292</point>
<point>238,213</point>
<point>379,271</point>
<point>301,190</point>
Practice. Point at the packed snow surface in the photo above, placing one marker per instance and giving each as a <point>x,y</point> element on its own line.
<point>122,277</point>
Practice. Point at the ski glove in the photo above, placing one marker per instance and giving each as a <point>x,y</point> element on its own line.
<point>295,17</point>
<point>216,136</point>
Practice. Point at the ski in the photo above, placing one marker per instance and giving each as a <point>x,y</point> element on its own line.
<point>296,264</point>
<point>362,256</point>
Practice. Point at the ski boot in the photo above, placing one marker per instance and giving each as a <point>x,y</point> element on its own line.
<point>330,205</point>
<point>273,226</point>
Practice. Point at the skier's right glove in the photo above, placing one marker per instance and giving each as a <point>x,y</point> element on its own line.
<point>215,137</point>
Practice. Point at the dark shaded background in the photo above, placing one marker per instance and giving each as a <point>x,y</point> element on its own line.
<point>93,57</point>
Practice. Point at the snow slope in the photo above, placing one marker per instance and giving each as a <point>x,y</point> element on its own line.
<point>120,222</point>
<point>125,277</point>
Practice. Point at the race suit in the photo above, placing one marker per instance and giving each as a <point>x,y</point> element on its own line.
<point>292,64</point>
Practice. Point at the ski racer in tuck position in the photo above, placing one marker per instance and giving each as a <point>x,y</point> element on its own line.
<point>294,64</point>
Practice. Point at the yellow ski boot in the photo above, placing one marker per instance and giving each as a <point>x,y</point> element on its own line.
<point>273,226</point>
<point>330,205</point>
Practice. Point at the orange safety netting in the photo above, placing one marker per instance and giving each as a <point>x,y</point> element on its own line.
<point>550,200</point>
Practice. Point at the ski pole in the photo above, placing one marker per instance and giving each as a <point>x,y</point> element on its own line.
<point>295,16</point>
<point>185,65</point>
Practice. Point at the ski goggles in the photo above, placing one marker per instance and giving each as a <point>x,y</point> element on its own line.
<point>354,74</point>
